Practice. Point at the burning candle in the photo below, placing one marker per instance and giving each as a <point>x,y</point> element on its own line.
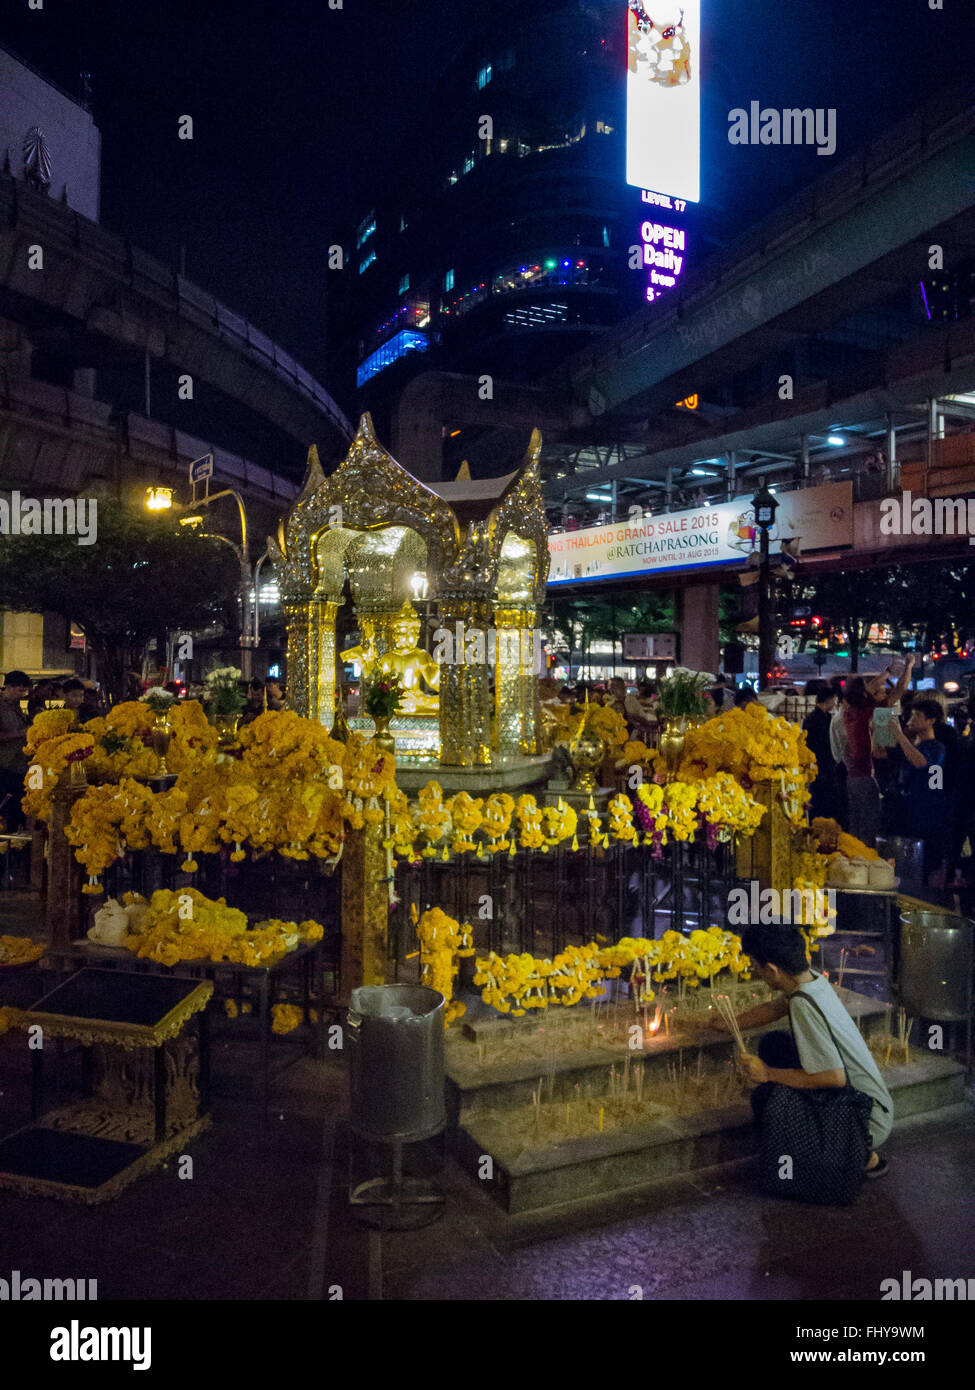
<point>600,1119</point>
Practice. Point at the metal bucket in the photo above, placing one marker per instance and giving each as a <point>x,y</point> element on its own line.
<point>908,857</point>
<point>936,965</point>
<point>396,1062</point>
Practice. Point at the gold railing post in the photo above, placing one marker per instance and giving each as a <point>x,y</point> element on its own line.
<point>365,910</point>
<point>62,910</point>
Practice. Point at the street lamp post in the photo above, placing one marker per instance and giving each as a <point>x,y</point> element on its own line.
<point>765,506</point>
<point>248,579</point>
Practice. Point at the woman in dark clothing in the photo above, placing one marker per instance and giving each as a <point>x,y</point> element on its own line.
<point>946,734</point>
<point>824,790</point>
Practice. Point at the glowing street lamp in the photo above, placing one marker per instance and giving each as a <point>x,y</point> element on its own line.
<point>159,499</point>
<point>765,507</point>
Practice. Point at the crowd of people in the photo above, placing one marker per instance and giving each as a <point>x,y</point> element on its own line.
<point>637,706</point>
<point>892,761</point>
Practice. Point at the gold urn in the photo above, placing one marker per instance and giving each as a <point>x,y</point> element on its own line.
<point>586,753</point>
<point>674,732</point>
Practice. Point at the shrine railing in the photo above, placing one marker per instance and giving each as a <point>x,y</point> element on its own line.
<point>541,903</point>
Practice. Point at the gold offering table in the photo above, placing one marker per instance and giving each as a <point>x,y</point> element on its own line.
<point>145,1083</point>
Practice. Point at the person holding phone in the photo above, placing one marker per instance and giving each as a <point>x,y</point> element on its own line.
<point>862,697</point>
<point>926,805</point>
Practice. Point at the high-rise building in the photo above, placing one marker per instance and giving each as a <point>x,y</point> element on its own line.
<point>502,245</point>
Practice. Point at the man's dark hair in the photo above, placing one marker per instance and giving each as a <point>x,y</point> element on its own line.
<point>17,678</point>
<point>745,696</point>
<point>72,684</point>
<point>929,709</point>
<point>781,946</point>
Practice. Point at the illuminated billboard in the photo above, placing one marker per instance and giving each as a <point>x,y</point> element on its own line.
<point>663,97</point>
<point>719,533</point>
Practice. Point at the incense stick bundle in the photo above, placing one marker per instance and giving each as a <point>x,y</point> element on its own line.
<point>843,955</point>
<point>904,1026</point>
<point>724,1006</point>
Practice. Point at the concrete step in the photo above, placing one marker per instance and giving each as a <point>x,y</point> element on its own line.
<point>508,1074</point>
<point>617,1160</point>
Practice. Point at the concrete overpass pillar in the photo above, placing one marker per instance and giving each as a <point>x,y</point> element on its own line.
<point>699,644</point>
<point>893,470</point>
<point>84,383</point>
<point>935,430</point>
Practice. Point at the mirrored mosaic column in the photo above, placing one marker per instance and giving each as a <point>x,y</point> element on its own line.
<point>302,658</point>
<point>323,697</point>
<point>465,689</point>
<point>514,691</point>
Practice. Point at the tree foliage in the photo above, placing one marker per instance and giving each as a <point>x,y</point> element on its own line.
<point>573,623</point>
<point>142,576</point>
<point>927,606</point>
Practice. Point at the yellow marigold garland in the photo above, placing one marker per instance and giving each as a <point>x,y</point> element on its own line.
<point>442,942</point>
<point>515,983</point>
<point>19,950</point>
<point>186,925</point>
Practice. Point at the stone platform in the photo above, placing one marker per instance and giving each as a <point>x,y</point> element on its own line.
<point>490,1103</point>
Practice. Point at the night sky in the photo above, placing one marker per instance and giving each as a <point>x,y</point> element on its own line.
<point>298,108</point>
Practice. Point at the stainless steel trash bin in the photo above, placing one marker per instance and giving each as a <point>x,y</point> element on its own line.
<point>908,857</point>
<point>936,965</point>
<point>396,1062</point>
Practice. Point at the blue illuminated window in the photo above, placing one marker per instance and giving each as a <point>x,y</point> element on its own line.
<point>365,229</point>
<point>468,164</point>
<point>484,75</point>
<point>448,280</point>
<point>407,340</point>
<point>404,283</point>
<point>364,265</point>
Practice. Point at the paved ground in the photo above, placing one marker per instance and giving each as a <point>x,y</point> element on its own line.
<point>266,1217</point>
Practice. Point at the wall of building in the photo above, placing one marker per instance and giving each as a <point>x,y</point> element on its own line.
<point>72,137</point>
